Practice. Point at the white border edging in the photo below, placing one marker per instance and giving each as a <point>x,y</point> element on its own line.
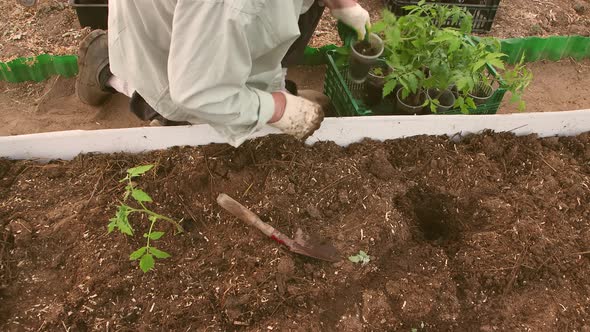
<point>343,131</point>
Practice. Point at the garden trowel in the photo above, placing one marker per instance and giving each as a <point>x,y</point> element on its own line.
<point>302,244</point>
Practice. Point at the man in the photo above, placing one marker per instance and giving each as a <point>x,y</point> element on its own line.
<point>212,61</point>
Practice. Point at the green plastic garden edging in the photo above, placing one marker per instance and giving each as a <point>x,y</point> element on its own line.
<point>38,68</point>
<point>535,48</point>
<point>551,48</point>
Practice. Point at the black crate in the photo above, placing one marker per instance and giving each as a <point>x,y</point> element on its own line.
<point>92,13</point>
<point>483,11</point>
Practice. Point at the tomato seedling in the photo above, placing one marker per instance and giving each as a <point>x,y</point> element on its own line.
<point>146,254</point>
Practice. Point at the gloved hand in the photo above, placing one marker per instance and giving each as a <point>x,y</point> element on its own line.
<point>355,17</point>
<point>301,117</point>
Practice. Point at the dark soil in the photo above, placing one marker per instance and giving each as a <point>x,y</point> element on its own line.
<point>365,48</point>
<point>490,234</point>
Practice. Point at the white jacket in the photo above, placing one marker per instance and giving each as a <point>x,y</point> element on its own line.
<point>210,61</point>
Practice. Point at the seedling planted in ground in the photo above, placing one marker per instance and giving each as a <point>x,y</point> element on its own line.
<point>146,254</point>
<point>361,258</point>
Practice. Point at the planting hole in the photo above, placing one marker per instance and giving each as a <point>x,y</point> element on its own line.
<point>433,213</point>
<point>433,221</point>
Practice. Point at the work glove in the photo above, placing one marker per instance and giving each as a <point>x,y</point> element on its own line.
<point>355,17</point>
<point>301,117</point>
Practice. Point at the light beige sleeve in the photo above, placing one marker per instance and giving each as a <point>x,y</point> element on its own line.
<point>210,60</point>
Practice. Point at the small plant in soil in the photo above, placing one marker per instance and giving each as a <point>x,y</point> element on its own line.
<point>148,253</point>
<point>378,71</point>
<point>365,48</point>
<point>360,258</point>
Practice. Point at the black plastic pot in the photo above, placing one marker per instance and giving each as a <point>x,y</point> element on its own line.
<point>445,97</point>
<point>360,64</point>
<point>405,107</point>
<point>92,13</point>
<point>481,93</point>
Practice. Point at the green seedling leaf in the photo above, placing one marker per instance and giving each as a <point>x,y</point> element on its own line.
<point>464,109</point>
<point>112,224</point>
<point>159,253</point>
<point>124,226</point>
<point>496,63</point>
<point>139,170</point>
<point>128,189</point>
<point>459,102</point>
<point>354,259</point>
<point>120,221</point>
<point>140,195</point>
<point>433,107</point>
<point>389,87</point>
<point>147,262</point>
<point>137,254</point>
<point>361,257</point>
<point>378,27</point>
<point>342,50</point>
<point>479,64</point>
<point>122,211</point>
<point>154,235</point>
<point>470,102</point>
<point>443,38</point>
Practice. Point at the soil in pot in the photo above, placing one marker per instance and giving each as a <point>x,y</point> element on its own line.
<point>364,55</point>
<point>413,104</point>
<point>445,97</point>
<point>365,48</point>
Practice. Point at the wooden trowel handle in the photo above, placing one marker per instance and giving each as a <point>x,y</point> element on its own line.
<point>247,216</point>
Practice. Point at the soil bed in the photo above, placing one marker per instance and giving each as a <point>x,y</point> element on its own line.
<point>488,234</point>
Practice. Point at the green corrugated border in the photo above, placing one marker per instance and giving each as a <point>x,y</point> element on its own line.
<point>42,67</point>
<point>551,48</point>
<point>38,68</point>
<point>534,48</point>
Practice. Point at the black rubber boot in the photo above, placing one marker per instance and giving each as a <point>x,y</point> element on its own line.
<point>94,71</point>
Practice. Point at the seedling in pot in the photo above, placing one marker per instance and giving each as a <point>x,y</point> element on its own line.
<point>375,83</point>
<point>148,253</point>
<point>410,97</point>
<point>414,103</point>
<point>517,80</point>
<point>378,72</point>
<point>440,100</point>
<point>427,58</point>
